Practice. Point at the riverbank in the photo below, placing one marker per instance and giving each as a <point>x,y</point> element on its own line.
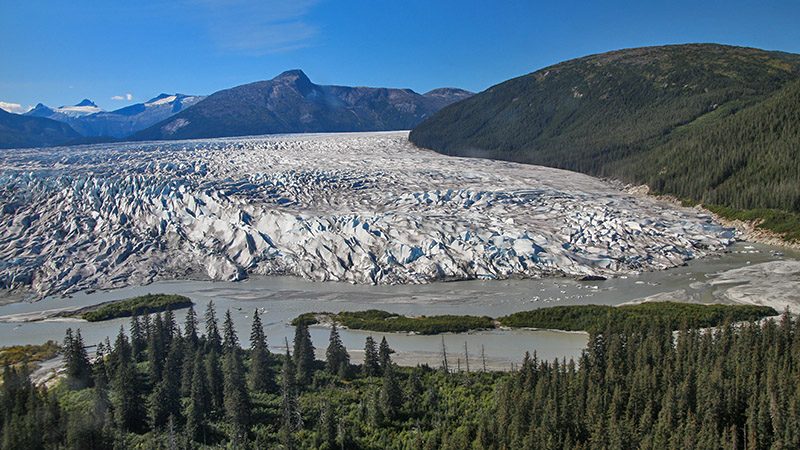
<point>281,299</point>
<point>765,226</point>
<point>586,318</point>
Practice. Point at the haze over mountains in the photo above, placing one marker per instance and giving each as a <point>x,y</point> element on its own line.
<point>289,103</point>
<point>90,121</point>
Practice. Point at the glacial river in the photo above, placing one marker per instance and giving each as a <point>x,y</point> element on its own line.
<point>279,299</point>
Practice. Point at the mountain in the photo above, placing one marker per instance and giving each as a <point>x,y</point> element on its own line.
<point>71,115</point>
<point>291,103</point>
<point>445,96</point>
<point>127,121</point>
<point>18,131</point>
<point>711,123</point>
<point>90,121</point>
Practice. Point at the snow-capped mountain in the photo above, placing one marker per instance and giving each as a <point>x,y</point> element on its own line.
<point>84,108</point>
<point>288,103</point>
<point>66,114</point>
<point>90,121</point>
<point>126,121</point>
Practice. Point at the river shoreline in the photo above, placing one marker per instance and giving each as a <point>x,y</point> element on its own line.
<point>745,274</point>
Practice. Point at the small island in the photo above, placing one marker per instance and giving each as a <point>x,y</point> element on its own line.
<point>675,315</point>
<point>587,318</point>
<point>382,321</point>
<point>145,304</point>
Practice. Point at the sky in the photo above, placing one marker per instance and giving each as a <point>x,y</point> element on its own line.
<point>118,52</point>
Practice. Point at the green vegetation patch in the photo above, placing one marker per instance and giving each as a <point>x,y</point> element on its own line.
<point>784,223</point>
<point>382,321</point>
<point>596,317</point>
<point>137,394</point>
<point>145,304</point>
<point>568,318</point>
<point>24,354</point>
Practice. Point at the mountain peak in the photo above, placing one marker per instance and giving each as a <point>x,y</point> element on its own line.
<point>294,75</point>
<point>86,102</point>
<point>445,91</point>
<point>158,97</point>
<point>40,110</point>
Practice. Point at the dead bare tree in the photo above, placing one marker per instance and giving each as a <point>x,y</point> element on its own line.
<point>444,357</point>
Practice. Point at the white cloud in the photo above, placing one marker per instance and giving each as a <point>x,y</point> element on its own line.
<point>258,27</point>
<point>14,107</point>
<point>127,97</point>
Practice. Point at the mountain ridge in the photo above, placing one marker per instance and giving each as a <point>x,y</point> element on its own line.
<point>292,103</point>
<point>92,122</point>
<point>17,131</point>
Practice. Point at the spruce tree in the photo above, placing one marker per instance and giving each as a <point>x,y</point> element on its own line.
<point>138,341</point>
<point>187,368</point>
<point>336,357</point>
<point>82,370</point>
<point>384,355</point>
<point>290,415</point>
<point>230,340</point>
<point>170,329</point>
<point>121,350</point>
<point>165,399</point>
<point>303,354</point>
<point>155,349</point>
<point>371,364</point>
<point>261,376</point>
<point>213,339</point>
<point>391,396</point>
<point>146,326</point>
<point>198,408</point>
<point>237,402</point>
<point>76,360</point>
<point>190,327</point>
<point>67,349</point>
<point>125,395</point>
<point>214,379</point>
<point>99,367</point>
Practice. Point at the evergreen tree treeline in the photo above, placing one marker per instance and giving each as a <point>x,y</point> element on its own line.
<point>643,387</point>
<point>708,123</point>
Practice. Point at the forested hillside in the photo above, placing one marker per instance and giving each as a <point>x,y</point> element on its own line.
<point>749,159</point>
<point>712,123</point>
<point>160,386</point>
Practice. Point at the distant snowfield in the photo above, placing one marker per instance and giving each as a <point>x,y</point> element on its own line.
<point>363,208</point>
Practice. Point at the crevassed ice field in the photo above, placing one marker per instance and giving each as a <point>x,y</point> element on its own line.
<point>364,208</point>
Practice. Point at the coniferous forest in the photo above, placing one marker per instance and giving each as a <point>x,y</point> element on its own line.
<point>707,123</point>
<point>161,385</point>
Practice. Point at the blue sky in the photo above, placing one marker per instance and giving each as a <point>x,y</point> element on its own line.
<point>59,52</point>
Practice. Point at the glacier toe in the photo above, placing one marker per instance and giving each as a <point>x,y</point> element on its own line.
<point>361,208</point>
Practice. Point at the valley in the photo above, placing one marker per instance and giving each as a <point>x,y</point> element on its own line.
<point>366,208</point>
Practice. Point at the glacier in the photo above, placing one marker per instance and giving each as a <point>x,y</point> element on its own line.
<point>355,207</point>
